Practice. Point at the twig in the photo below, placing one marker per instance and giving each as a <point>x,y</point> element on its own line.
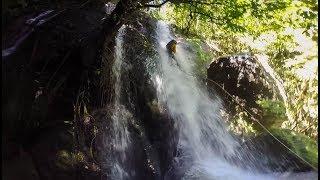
<point>156,5</point>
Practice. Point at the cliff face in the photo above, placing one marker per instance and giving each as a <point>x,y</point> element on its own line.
<point>151,131</point>
<point>48,57</point>
<point>58,91</point>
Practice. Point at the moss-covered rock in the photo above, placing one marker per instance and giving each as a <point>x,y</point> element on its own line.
<point>245,85</point>
<point>270,153</point>
<point>301,144</point>
<point>69,160</point>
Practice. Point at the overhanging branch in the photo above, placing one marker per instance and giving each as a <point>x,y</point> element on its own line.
<point>200,2</point>
<point>182,2</point>
<point>156,5</point>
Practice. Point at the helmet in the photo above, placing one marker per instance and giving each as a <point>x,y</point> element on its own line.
<point>171,46</point>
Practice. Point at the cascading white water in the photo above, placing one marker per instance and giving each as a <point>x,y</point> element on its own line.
<point>120,116</point>
<point>197,115</point>
<point>203,140</point>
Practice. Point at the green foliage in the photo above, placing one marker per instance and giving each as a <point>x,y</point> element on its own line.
<point>274,107</point>
<point>294,57</point>
<point>274,112</point>
<point>285,31</point>
<point>202,56</point>
<point>241,125</point>
<point>301,144</point>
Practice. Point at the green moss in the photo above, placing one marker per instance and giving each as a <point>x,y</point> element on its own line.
<point>274,112</point>
<point>301,144</point>
<point>66,160</point>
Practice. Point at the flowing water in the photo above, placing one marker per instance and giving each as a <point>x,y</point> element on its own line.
<point>198,119</point>
<point>120,116</point>
<point>195,113</point>
<point>205,146</point>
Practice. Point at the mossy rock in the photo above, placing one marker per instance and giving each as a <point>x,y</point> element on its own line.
<point>269,154</point>
<point>301,144</point>
<point>67,160</point>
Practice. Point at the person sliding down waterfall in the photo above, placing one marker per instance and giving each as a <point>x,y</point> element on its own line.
<point>171,48</point>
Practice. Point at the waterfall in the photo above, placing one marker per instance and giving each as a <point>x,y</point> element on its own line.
<point>204,142</point>
<point>197,115</point>
<point>120,115</point>
<point>205,149</point>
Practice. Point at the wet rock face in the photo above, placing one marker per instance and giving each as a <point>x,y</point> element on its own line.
<point>41,80</point>
<point>245,79</point>
<point>153,138</point>
<point>142,100</point>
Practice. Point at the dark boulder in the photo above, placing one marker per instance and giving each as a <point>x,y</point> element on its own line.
<point>246,80</point>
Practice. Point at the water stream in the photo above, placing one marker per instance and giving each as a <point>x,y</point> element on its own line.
<point>198,119</point>
<point>205,146</point>
<point>120,115</point>
<point>196,114</point>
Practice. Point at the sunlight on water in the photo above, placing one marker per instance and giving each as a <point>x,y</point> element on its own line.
<point>197,116</point>
<point>204,143</point>
<point>203,140</point>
